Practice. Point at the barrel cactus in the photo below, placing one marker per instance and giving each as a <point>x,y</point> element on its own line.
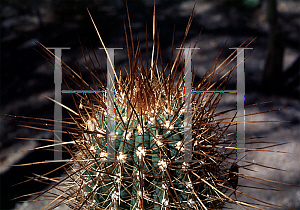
<point>158,159</point>
<point>149,171</point>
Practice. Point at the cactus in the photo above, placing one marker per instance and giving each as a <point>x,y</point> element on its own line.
<point>149,170</point>
<point>149,143</point>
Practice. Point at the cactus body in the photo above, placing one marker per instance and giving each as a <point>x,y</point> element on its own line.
<point>148,171</point>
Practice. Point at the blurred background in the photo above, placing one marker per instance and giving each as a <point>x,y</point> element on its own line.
<point>271,73</point>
